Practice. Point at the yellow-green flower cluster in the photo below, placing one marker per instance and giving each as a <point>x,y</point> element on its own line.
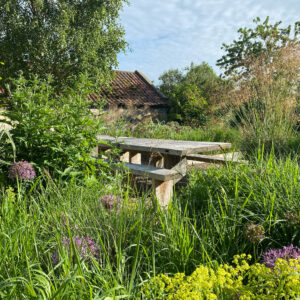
<point>237,281</point>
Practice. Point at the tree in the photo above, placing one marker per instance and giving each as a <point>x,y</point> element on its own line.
<point>264,65</point>
<point>263,40</point>
<point>61,38</point>
<point>192,92</point>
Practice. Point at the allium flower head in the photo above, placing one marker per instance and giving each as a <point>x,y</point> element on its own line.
<point>292,218</point>
<point>85,246</point>
<point>287,252</point>
<point>110,201</point>
<point>254,233</point>
<point>23,170</point>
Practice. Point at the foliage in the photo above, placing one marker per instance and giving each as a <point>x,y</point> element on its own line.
<point>61,38</point>
<point>264,40</point>
<point>245,207</point>
<point>50,131</point>
<point>42,227</point>
<point>264,66</point>
<point>242,281</point>
<point>191,93</point>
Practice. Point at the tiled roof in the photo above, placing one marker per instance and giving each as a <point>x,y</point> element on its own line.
<point>132,89</point>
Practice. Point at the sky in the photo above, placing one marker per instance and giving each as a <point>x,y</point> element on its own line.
<point>165,34</point>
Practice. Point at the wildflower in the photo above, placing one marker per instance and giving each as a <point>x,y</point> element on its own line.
<point>287,252</point>
<point>23,170</point>
<point>292,218</point>
<point>110,201</point>
<point>85,246</point>
<point>254,233</point>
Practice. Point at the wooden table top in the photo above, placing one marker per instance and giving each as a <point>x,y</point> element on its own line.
<point>173,147</point>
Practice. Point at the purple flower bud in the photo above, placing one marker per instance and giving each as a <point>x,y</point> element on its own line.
<point>85,246</point>
<point>110,201</point>
<point>23,170</point>
<point>287,252</point>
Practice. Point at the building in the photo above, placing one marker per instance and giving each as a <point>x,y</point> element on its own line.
<point>133,97</point>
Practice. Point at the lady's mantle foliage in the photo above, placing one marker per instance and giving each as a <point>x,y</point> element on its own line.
<point>240,281</point>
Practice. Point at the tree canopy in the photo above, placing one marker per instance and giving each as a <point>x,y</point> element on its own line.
<point>264,40</point>
<point>63,38</point>
<point>191,92</point>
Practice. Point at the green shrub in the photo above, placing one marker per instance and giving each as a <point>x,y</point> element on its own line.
<point>241,281</point>
<point>56,132</point>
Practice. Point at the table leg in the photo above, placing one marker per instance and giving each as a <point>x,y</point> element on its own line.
<point>135,157</point>
<point>163,191</point>
<point>176,163</point>
<point>125,157</point>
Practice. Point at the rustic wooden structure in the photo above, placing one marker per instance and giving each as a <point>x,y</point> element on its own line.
<point>164,161</point>
<point>132,96</point>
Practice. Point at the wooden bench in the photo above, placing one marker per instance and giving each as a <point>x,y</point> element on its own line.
<point>217,159</point>
<point>163,180</point>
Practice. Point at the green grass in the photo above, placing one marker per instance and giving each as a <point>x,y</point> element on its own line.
<point>205,224</point>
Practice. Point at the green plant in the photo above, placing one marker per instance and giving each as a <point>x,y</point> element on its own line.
<point>60,38</point>
<point>242,281</point>
<point>244,207</point>
<point>264,66</point>
<point>56,132</point>
<point>192,94</point>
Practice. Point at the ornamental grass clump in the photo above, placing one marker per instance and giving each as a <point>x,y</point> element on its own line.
<point>287,253</point>
<point>23,170</point>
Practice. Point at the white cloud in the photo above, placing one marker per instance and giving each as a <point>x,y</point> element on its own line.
<point>173,33</point>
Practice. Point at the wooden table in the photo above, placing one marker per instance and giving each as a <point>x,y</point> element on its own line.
<point>160,153</point>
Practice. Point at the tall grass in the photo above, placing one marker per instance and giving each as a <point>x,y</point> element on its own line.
<point>205,224</point>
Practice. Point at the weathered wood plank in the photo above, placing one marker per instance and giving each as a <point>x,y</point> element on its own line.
<point>149,171</point>
<point>214,159</point>
<point>172,147</point>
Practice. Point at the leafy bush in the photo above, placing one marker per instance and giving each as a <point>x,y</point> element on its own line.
<point>241,281</point>
<point>56,132</point>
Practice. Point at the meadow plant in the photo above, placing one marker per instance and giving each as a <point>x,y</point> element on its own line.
<point>110,201</point>
<point>287,253</point>
<point>85,246</point>
<point>22,170</point>
<point>238,281</point>
<point>254,233</point>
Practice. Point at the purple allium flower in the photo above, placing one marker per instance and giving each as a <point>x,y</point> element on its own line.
<point>254,233</point>
<point>287,252</point>
<point>110,201</point>
<point>23,170</point>
<point>85,246</point>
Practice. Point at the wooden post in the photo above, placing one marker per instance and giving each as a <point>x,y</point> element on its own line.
<point>163,191</point>
<point>135,157</point>
<point>95,152</point>
<point>125,157</point>
<point>176,163</point>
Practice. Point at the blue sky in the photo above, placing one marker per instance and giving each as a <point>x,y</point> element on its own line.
<point>165,34</point>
